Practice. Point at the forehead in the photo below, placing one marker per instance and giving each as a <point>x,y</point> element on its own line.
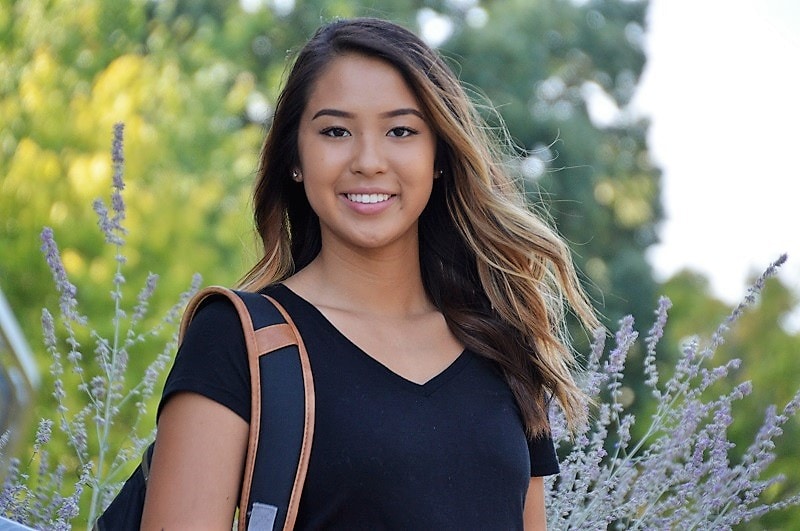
<point>353,81</point>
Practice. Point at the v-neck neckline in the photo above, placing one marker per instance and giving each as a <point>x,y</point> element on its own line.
<point>426,388</point>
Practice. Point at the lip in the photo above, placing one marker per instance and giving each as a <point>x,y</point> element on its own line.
<point>367,190</point>
<point>370,201</point>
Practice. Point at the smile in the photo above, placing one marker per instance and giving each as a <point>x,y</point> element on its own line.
<point>368,198</point>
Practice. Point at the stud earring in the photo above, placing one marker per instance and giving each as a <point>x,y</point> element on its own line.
<point>296,176</point>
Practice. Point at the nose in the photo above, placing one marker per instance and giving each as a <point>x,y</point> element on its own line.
<point>368,156</point>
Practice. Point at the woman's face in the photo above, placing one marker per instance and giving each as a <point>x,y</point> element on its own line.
<point>366,155</point>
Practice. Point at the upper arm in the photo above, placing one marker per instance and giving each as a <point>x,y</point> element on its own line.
<point>196,471</point>
<point>534,516</point>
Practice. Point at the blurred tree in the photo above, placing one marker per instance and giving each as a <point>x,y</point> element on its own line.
<point>72,69</point>
<point>194,82</point>
<point>562,75</point>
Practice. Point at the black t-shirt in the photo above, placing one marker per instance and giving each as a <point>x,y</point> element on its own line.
<point>387,453</point>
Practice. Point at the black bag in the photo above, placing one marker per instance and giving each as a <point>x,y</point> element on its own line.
<point>267,328</point>
<point>125,512</point>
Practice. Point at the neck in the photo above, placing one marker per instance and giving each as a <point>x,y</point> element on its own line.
<point>388,282</point>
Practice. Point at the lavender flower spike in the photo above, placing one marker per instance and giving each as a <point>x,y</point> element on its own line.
<point>118,184</point>
<point>43,432</point>
<point>67,289</point>
<point>107,226</point>
<point>118,157</point>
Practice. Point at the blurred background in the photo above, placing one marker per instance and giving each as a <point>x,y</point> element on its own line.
<point>654,133</point>
<point>720,87</point>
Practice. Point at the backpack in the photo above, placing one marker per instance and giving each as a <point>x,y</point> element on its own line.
<point>282,402</point>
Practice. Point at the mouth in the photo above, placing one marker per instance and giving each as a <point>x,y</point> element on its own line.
<point>368,198</point>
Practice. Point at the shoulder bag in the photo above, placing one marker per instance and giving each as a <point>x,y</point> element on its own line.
<point>281,421</point>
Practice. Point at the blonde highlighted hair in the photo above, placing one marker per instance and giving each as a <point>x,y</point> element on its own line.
<point>498,273</point>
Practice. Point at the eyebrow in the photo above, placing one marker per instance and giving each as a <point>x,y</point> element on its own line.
<point>344,114</point>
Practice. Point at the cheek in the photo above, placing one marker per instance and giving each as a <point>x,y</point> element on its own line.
<point>423,165</point>
<point>316,201</point>
<point>319,158</point>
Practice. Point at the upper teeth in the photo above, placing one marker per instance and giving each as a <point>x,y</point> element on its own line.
<point>368,198</point>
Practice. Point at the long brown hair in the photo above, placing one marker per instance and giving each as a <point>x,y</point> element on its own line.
<point>497,272</point>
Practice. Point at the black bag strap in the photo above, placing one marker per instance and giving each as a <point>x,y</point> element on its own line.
<point>286,408</point>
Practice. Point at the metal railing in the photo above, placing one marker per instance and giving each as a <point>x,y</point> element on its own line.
<point>19,378</point>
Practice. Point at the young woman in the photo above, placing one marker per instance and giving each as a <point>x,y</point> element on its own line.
<point>429,298</point>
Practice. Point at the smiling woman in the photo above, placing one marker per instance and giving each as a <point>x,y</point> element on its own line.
<point>430,301</point>
<point>366,157</point>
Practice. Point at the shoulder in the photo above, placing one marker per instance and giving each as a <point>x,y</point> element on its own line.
<point>214,311</point>
<point>212,358</point>
<point>217,313</point>
<point>214,324</point>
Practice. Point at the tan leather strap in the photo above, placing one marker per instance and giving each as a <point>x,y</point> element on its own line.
<point>274,337</point>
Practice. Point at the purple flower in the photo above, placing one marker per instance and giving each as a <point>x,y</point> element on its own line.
<point>143,299</point>
<point>118,183</point>
<point>68,301</point>
<point>102,385</point>
<point>43,432</point>
<point>107,226</point>
<point>118,156</point>
<point>678,474</point>
<point>112,227</point>
<point>653,337</point>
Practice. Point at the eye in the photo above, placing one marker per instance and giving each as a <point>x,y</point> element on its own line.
<point>335,132</point>
<point>401,132</point>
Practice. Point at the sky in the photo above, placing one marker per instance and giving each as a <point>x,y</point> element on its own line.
<point>722,89</point>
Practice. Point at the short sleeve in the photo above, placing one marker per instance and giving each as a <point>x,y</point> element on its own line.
<point>212,359</point>
<point>544,461</point>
